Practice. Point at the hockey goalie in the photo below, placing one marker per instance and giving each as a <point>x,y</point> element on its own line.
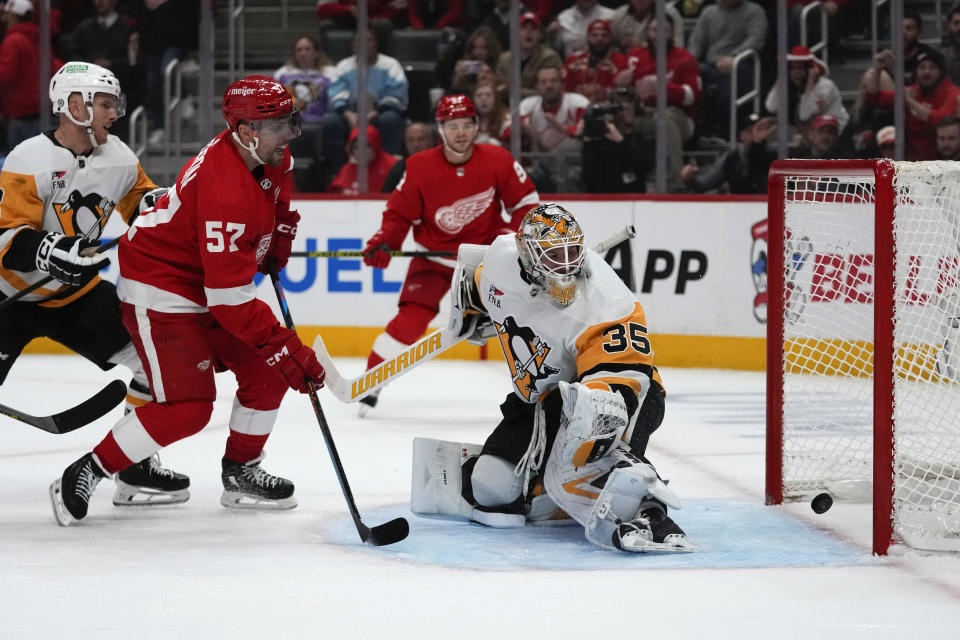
<point>585,399</point>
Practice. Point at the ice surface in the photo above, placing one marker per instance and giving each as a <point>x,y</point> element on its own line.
<point>198,570</point>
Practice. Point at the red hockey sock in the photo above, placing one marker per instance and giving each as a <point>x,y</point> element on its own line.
<point>373,360</point>
<point>242,447</point>
<point>111,456</point>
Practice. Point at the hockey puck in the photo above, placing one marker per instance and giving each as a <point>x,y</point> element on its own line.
<point>821,503</point>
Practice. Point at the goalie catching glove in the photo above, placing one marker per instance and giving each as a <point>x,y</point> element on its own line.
<point>284,231</point>
<point>293,360</point>
<point>468,316</point>
<point>60,256</point>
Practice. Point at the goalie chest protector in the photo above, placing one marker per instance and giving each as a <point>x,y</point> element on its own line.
<point>544,342</point>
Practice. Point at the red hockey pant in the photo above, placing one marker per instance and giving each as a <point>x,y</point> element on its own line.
<point>180,353</point>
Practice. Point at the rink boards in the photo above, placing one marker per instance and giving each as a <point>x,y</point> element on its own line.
<point>697,266</point>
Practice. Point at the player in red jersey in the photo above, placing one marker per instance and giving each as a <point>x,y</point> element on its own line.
<point>451,194</point>
<point>189,303</point>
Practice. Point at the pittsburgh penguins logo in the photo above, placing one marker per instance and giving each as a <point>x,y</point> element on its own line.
<point>525,353</point>
<point>84,214</point>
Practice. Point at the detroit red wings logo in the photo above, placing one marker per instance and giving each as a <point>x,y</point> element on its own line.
<point>454,218</point>
<point>263,247</point>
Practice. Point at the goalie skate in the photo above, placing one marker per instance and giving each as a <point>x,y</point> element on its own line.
<point>149,483</point>
<point>248,486</point>
<point>653,530</point>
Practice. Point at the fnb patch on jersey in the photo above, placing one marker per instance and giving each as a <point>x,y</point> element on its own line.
<point>494,295</point>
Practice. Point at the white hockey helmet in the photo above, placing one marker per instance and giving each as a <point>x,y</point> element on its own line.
<point>87,79</point>
<point>551,248</point>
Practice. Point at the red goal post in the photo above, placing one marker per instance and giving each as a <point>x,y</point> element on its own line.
<point>863,270</point>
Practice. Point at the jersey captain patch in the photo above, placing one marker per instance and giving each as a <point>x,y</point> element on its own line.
<point>526,354</point>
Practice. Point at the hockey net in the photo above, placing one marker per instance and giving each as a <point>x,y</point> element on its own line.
<point>864,301</point>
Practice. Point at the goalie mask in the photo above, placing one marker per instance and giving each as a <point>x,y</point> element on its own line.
<point>265,105</point>
<point>88,80</point>
<point>550,243</point>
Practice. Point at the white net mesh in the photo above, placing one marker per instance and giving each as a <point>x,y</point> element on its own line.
<point>828,345</point>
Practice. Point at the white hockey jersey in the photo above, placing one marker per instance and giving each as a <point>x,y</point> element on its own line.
<point>600,339</point>
<point>45,186</point>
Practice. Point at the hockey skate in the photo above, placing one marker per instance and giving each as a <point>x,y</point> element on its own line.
<point>70,493</point>
<point>248,486</point>
<point>651,530</point>
<point>367,403</point>
<point>148,483</point>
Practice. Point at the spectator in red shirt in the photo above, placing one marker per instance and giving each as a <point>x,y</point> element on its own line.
<point>683,95</point>
<point>929,99</point>
<point>593,72</point>
<point>379,163</point>
<point>19,70</point>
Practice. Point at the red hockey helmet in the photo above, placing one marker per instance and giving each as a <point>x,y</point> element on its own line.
<point>455,106</point>
<point>255,98</point>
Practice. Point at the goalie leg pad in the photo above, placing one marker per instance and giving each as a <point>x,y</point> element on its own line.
<point>494,482</point>
<point>595,420</point>
<point>616,521</point>
<point>497,490</point>
<point>585,448</point>
<point>437,485</point>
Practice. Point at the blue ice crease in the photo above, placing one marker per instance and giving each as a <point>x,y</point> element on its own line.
<point>729,534</point>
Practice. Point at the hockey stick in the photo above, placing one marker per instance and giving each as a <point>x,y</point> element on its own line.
<point>84,413</point>
<point>359,254</point>
<point>380,535</point>
<point>36,285</point>
<point>427,348</point>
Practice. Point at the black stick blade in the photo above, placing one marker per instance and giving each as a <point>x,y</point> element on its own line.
<point>91,409</point>
<point>76,417</point>
<point>386,533</point>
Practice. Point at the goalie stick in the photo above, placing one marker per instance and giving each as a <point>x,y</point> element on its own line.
<point>380,535</point>
<point>84,413</point>
<point>427,348</point>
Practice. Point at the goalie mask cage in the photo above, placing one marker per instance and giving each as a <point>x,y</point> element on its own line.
<point>863,300</point>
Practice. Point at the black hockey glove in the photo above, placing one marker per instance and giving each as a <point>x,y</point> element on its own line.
<point>70,259</point>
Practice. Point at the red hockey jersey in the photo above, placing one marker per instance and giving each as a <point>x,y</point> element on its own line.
<point>595,82</point>
<point>683,76</point>
<point>199,248</point>
<point>451,204</point>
